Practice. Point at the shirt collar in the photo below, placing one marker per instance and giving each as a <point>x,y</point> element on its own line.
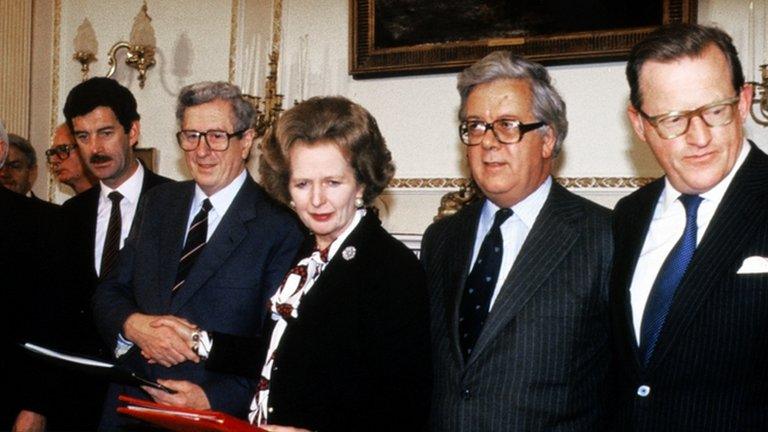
<point>221,200</point>
<point>130,189</point>
<point>669,195</point>
<point>526,210</point>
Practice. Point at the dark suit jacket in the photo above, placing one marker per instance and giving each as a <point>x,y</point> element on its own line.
<point>27,275</point>
<point>75,399</point>
<point>708,371</point>
<point>226,290</point>
<point>357,358</point>
<point>540,360</point>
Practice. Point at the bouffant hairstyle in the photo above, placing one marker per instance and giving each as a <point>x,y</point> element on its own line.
<point>327,119</point>
<point>101,92</point>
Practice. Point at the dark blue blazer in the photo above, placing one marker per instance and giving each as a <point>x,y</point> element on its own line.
<point>708,371</point>
<point>226,290</point>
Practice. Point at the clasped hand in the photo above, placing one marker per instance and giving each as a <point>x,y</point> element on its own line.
<point>163,339</point>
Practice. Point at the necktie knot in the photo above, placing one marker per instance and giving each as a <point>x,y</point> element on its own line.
<point>501,216</point>
<point>207,206</point>
<point>115,197</point>
<point>691,203</point>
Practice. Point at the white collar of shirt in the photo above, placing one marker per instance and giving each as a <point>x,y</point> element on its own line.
<point>131,191</point>
<point>220,202</point>
<point>669,196</point>
<point>336,244</point>
<point>514,230</point>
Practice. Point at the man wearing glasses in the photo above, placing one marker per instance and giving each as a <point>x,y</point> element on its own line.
<point>65,162</point>
<point>517,279</point>
<point>208,251</point>
<point>689,292</point>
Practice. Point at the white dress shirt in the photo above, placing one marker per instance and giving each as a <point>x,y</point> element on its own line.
<point>131,191</point>
<point>514,230</point>
<point>667,226</point>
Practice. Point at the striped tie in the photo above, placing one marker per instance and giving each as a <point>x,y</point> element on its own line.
<point>196,238</point>
<point>112,239</point>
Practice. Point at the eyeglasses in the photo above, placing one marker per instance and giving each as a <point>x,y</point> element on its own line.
<point>60,151</point>
<point>217,140</point>
<point>675,123</point>
<point>506,131</point>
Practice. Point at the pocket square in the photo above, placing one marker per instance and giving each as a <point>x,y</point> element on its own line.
<point>754,264</point>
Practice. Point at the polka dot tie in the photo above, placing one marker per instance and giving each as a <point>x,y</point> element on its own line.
<point>480,283</point>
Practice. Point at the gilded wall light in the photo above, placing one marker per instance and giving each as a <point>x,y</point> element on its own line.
<point>86,46</point>
<point>761,97</point>
<point>140,53</point>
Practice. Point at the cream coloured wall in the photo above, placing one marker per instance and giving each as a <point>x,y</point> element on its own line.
<point>417,114</point>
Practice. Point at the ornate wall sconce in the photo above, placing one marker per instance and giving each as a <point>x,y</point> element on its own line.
<point>140,49</point>
<point>761,97</point>
<point>269,107</point>
<point>86,46</point>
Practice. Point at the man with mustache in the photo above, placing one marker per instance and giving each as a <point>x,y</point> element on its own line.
<point>102,116</point>
<point>65,162</point>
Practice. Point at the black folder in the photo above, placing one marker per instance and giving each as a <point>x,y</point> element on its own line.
<point>113,372</point>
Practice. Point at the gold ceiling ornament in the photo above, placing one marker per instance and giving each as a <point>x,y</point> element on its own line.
<point>140,48</point>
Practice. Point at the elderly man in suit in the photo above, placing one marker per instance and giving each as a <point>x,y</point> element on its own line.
<point>518,279</point>
<point>689,293</point>
<point>20,170</point>
<point>209,251</point>
<point>65,161</point>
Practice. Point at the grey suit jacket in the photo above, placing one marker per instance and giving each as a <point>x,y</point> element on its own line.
<point>540,360</point>
<point>226,290</point>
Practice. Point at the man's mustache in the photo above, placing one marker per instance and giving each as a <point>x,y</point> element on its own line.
<point>100,158</point>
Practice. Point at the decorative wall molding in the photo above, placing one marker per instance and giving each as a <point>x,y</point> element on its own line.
<point>569,182</point>
<point>15,67</point>
<point>55,65</point>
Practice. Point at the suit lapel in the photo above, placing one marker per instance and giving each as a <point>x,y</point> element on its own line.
<point>534,264</point>
<point>172,239</point>
<point>717,257</point>
<point>228,235</point>
<point>91,218</point>
<point>630,236</point>
<point>460,263</point>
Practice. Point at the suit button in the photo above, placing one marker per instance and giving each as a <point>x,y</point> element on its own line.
<point>270,410</point>
<point>643,391</point>
<point>465,394</point>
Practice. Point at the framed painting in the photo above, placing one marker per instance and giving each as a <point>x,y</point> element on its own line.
<point>402,37</point>
<point>148,155</point>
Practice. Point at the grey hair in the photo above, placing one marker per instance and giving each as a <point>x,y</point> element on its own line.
<point>207,91</point>
<point>3,138</point>
<point>25,148</point>
<point>548,106</point>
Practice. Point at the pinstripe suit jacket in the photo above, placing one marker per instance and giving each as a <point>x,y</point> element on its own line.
<point>709,369</point>
<point>540,360</point>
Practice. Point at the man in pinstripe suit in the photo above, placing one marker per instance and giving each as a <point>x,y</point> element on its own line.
<point>520,327</point>
<point>691,349</point>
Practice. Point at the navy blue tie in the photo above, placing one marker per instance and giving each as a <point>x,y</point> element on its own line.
<point>481,282</point>
<point>668,279</point>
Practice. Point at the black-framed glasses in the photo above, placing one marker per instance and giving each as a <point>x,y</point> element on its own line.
<point>217,140</point>
<point>61,151</point>
<point>675,123</point>
<point>506,131</point>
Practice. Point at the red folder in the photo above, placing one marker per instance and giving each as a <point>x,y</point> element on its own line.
<point>183,419</point>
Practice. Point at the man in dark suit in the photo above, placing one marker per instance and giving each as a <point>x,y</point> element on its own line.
<point>689,293</point>
<point>209,251</point>
<point>103,118</point>
<point>20,170</point>
<point>518,279</point>
<point>27,267</point>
